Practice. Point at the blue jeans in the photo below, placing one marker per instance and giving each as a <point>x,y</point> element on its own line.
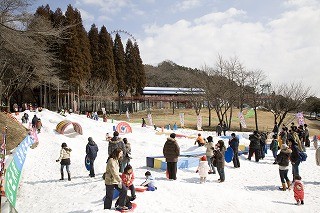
<point>209,159</point>
<point>295,169</point>
<point>274,153</point>
<point>221,173</point>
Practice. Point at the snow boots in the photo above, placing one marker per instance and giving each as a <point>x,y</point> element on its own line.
<point>289,184</point>
<point>284,187</point>
<point>69,176</point>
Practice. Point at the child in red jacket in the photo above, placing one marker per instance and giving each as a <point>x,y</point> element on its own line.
<point>128,178</point>
<point>298,190</point>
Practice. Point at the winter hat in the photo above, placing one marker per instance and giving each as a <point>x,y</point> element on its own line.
<point>203,158</point>
<point>173,135</point>
<point>147,173</point>
<point>284,146</point>
<point>90,139</point>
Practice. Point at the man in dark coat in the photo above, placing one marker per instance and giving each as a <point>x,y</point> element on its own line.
<point>34,121</point>
<point>234,144</point>
<point>171,152</point>
<point>254,146</point>
<point>91,151</point>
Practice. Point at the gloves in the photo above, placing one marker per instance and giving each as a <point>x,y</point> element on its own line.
<point>57,160</point>
<point>120,185</point>
<point>197,171</point>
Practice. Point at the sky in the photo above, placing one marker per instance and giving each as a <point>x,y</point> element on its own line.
<point>253,186</point>
<point>281,38</point>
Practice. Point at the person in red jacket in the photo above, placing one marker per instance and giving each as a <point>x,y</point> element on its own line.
<point>127,178</point>
<point>298,190</point>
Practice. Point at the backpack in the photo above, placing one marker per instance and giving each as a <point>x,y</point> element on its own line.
<point>302,156</point>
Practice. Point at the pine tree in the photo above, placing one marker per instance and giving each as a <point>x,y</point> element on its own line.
<point>131,68</point>
<point>93,36</point>
<point>141,74</point>
<point>76,54</point>
<point>106,63</point>
<point>119,62</point>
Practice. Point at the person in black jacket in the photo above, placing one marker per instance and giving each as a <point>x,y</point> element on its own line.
<point>294,157</point>
<point>34,121</point>
<point>91,151</point>
<point>254,146</point>
<point>234,144</point>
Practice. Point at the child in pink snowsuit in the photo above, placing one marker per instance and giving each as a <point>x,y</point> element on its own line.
<point>298,190</point>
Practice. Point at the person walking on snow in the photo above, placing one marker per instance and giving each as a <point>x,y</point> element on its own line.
<point>64,160</point>
<point>91,151</point>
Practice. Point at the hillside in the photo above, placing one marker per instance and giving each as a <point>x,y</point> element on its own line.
<point>15,132</point>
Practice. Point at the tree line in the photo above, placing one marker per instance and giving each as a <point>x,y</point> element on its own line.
<point>49,51</point>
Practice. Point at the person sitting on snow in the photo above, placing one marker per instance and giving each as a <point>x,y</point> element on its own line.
<point>149,182</point>
<point>199,140</point>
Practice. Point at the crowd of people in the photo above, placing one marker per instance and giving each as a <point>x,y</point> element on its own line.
<point>119,175</point>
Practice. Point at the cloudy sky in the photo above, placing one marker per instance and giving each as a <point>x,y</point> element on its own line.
<point>280,37</point>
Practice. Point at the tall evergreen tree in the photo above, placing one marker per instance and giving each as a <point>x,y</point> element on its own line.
<point>141,74</point>
<point>119,62</point>
<point>106,63</point>
<point>93,36</point>
<point>131,68</point>
<point>76,54</point>
<point>85,59</point>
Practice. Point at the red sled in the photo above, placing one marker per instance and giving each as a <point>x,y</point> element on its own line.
<point>140,188</point>
<point>134,205</point>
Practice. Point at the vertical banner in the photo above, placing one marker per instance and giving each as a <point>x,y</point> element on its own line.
<point>242,121</point>
<point>300,118</point>
<point>13,172</point>
<point>181,115</point>
<point>75,106</point>
<point>150,119</point>
<point>127,114</point>
<point>199,122</point>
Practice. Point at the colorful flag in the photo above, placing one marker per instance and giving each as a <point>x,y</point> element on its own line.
<point>300,118</point>
<point>242,121</point>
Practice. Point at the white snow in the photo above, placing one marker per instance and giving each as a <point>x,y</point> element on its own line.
<point>251,188</point>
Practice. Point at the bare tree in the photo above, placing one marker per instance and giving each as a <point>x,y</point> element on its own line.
<point>256,79</point>
<point>24,56</point>
<point>286,98</point>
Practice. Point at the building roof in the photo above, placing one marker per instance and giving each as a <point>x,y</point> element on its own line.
<point>172,91</point>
